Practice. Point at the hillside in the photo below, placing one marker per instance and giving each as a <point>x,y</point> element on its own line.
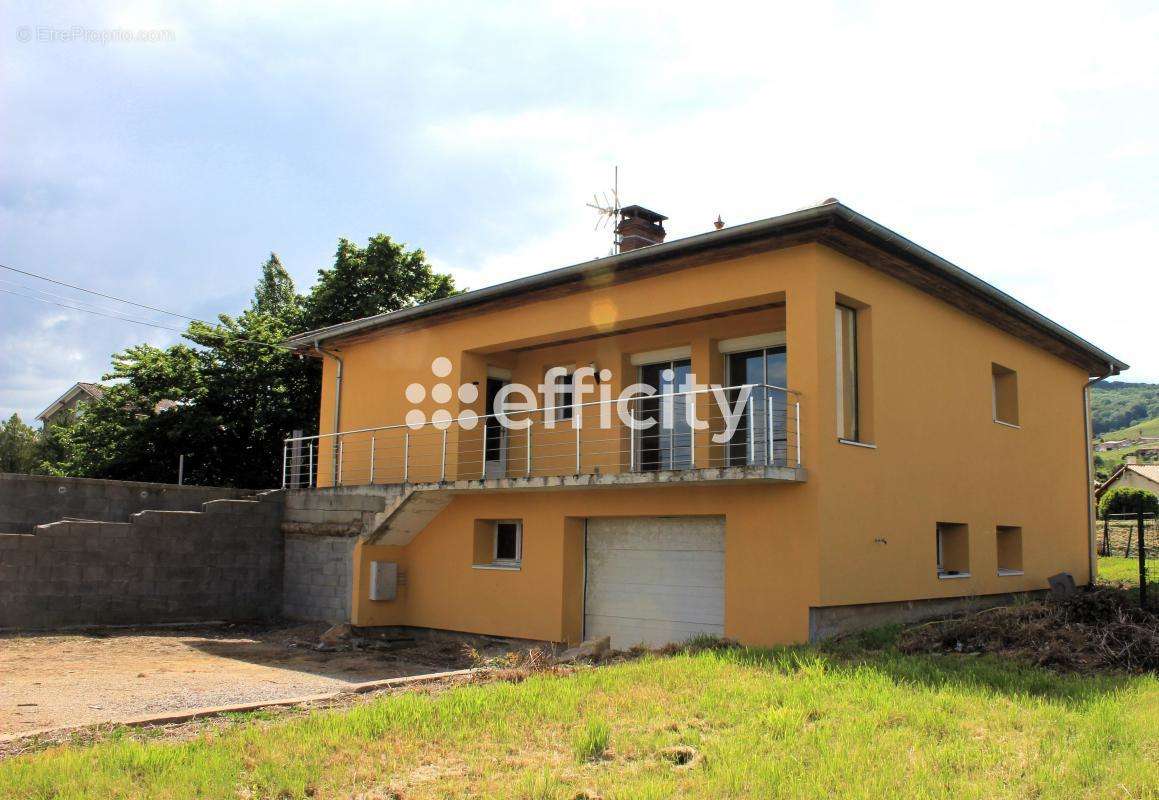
<point>1118,405</point>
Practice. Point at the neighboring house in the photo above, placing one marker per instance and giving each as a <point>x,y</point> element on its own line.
<point>1134,476</point>
<point>901,437</point>
<point>69,403</point>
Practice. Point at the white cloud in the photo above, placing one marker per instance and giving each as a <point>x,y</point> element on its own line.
<point>1017,140</point>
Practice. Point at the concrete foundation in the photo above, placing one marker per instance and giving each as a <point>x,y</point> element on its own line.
<point>830,621</point>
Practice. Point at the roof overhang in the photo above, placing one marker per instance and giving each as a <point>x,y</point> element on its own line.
<point>831,224</point>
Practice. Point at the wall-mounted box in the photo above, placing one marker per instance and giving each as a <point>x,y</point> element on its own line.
<point>383,580</point>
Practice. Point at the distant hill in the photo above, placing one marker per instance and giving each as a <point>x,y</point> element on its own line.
<point>1117,405</point>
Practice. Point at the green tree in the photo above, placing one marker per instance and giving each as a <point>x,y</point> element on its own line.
<point>228,397</point>
<point>275,295</point>
<point>1127,500</point>
<point>18,446</point>
<point>383,276</point>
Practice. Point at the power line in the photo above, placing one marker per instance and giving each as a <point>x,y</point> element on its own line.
<point>66,298</point>
<point>90,311</point>
<point>109,313</point>
<point>99,294</point>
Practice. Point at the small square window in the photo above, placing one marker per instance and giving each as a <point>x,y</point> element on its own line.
<point>1005,394</point>
<point>1009,539</point>
<point>508,542</point>
<point>953,550</point>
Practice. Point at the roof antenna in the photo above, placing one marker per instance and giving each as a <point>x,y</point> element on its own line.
<point>608,211</point>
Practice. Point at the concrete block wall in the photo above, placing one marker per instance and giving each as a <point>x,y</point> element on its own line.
<point>322,527</point>
<point>30,500</point>
<point>224,562</point>
<point>319,575</point>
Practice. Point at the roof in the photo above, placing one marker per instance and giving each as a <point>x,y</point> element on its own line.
<point>832,224</point>
<point>93,390</point>
<point>1148,471</point>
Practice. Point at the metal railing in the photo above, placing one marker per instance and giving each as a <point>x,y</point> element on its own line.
<point>749,424</point>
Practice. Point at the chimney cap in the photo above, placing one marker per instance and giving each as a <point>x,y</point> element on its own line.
<point>639,212</point>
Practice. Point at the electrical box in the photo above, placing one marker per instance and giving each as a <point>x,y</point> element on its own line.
<point>383,580</point>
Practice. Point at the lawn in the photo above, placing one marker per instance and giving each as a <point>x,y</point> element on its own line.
<point>795,723</point>
<point>1116,569</point>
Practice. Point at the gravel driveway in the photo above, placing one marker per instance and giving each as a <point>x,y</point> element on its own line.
<point>54,680</point>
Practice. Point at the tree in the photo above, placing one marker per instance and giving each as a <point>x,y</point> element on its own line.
<point>275,295</point>
<point>1127,500</point>
<point>384,276</point>
<point>19,449</point>
<point>228,398</point>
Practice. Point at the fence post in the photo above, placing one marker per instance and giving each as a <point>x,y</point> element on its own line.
<point>1106,536</point>
<point>529,446</point>
<point>1142,562</point>
<point>406,457</point>
<point>373,436</point>
<point>443,459</point>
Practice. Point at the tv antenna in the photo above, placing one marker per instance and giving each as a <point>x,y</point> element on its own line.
<point>608,210</point>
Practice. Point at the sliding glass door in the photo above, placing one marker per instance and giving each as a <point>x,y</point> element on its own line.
<point>667,444</point>
<point>761,436</point>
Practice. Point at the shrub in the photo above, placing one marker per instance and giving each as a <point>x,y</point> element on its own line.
<point>1126,500</point>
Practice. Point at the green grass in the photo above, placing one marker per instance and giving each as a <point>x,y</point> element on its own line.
<point>792,723</point>
<point>1148,427</point>
<point>1116,569</point>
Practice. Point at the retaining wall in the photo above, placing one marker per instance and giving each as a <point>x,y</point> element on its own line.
<point>30,500</point>
<point>224,562</point>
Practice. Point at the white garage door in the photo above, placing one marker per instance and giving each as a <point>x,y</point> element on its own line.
<point>654,580</point>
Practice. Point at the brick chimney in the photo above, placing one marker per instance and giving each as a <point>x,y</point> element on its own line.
<point>639,227</point>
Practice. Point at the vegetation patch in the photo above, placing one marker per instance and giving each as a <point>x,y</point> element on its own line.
<point>1100,629</point>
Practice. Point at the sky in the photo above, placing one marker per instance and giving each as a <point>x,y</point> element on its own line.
<point>159,152</point>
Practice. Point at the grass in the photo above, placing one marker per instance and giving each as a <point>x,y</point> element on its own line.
<point>799,722</point>
<point>1116,569</point>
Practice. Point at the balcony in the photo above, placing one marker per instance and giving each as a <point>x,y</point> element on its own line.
<point>718,434</point>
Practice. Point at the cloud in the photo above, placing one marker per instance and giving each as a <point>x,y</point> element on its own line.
<point>1014,140</point>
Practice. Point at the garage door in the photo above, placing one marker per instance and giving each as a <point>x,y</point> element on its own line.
<point>654,580</point>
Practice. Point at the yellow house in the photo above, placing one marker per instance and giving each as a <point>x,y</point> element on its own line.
<point>844,429</point>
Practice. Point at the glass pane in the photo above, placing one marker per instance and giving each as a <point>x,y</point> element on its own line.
<point>506,541</point>
<point>668,443</point>
<point>846,335</point>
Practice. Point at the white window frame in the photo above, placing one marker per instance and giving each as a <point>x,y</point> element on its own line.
<point>507,562</point>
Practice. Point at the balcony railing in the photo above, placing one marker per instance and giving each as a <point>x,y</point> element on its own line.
<point>745,425</point>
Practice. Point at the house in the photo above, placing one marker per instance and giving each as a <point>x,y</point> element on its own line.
<point>1134,476</point>
<point>78,395</point>
<point>772,432</point>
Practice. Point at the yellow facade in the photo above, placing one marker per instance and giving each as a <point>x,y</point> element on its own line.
<point>860,529</point>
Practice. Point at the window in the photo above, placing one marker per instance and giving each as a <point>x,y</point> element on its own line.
<point>1005,394</point>
<point>1009,550</point>
<point>498,544</point>
<point>508,542</point>
<point>563,396</point>
<point>847,394</point>
<point>761,434</point>
<point>953,550</point>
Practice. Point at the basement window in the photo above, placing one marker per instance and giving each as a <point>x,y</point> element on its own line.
<point>1009,540</point>
<point>953,550</point>
<point>1005,394</point>
<point>498,544</point>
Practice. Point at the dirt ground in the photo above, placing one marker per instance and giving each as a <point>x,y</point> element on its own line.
<point>55,680</point>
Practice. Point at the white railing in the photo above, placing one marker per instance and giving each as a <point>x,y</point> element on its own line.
<point>750,424</point>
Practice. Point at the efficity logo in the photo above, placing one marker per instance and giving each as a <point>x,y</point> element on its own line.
<point>562,400</point>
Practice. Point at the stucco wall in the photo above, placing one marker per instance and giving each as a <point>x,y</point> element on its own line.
<point>30,500</point>
<point>223,563</point>
<point>860,530</point>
